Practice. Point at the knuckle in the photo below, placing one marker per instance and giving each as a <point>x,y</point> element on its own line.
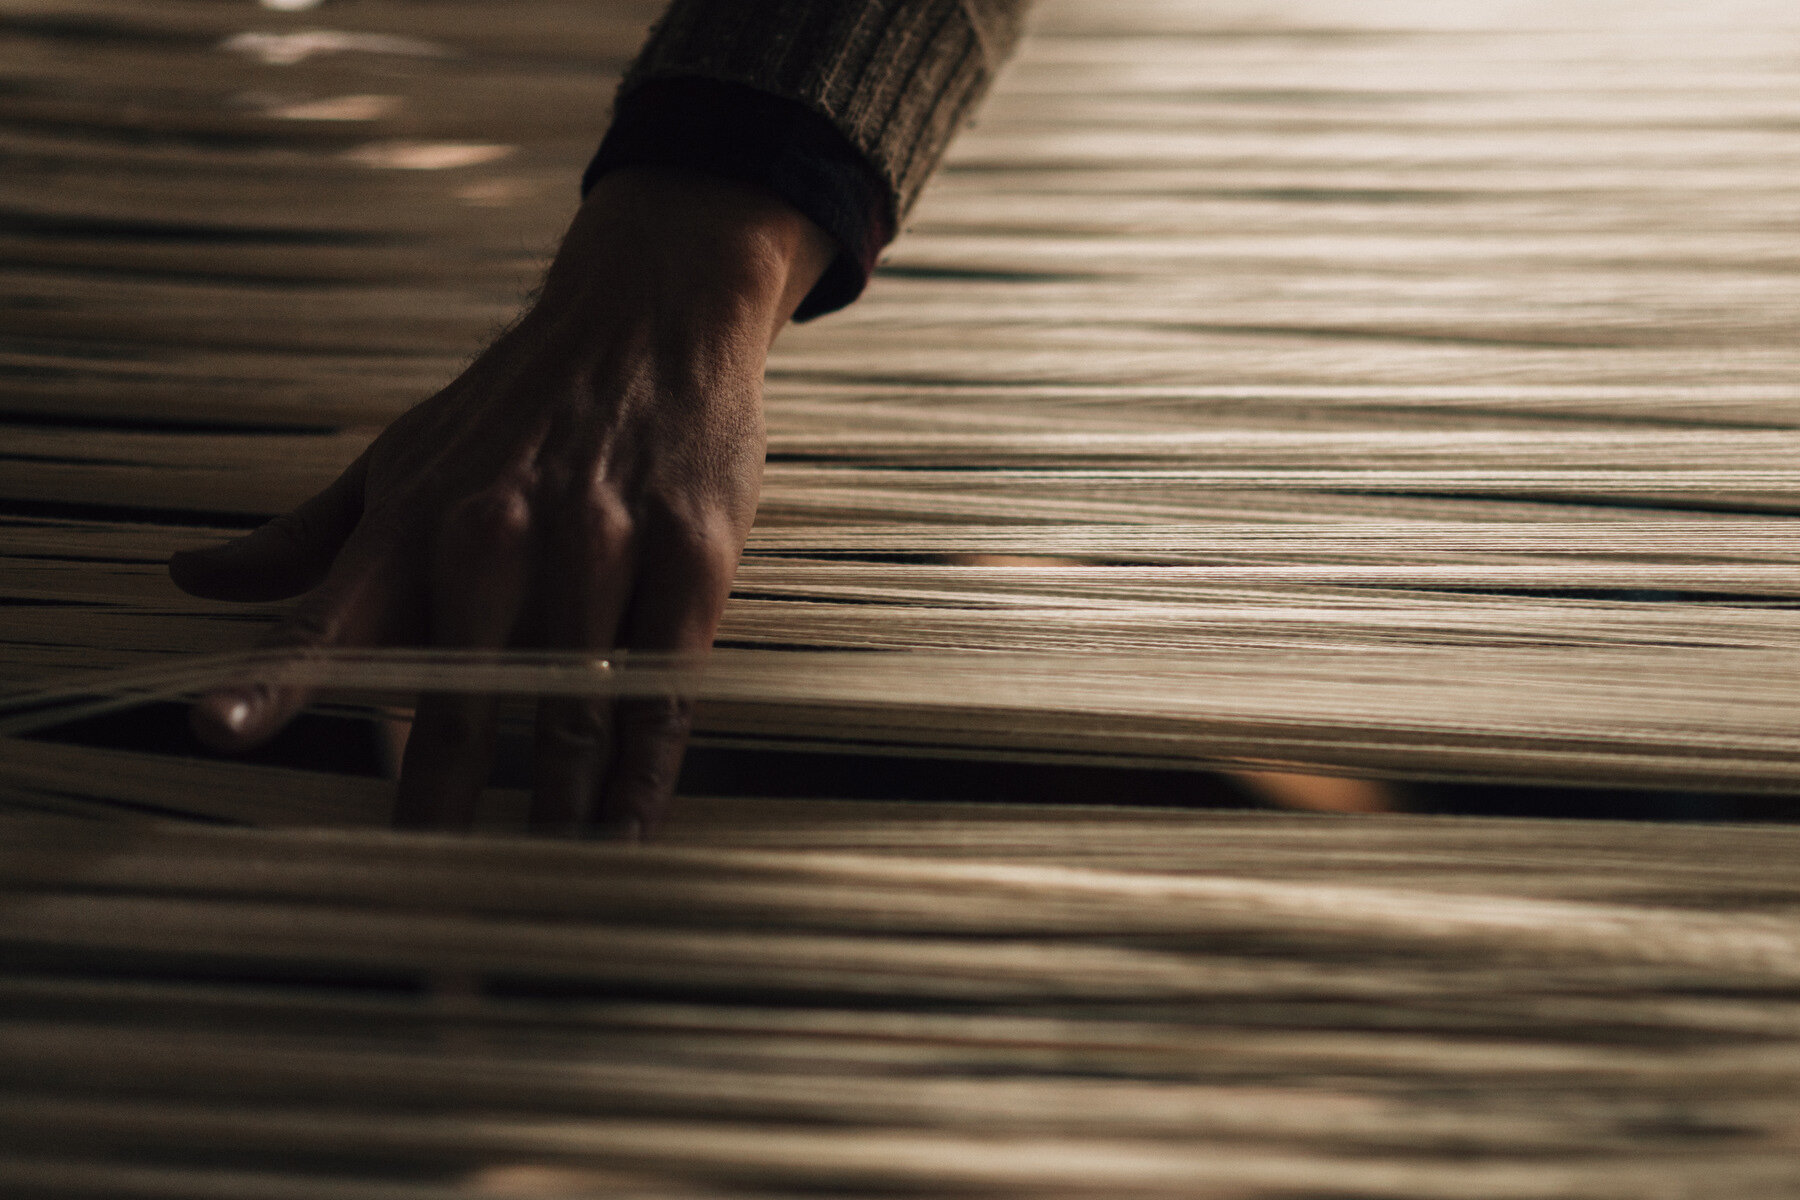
<point>642,781</point>
<point>574,726</point>
<point>641,789</point>
<point>698,535</point>
<point>602,521</point>
<point>496,520</point>
<point>668,508</point>
<point>686,513</point>
<point>660,719</point>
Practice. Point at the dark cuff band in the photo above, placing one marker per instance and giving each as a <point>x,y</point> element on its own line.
<point>737,132</point>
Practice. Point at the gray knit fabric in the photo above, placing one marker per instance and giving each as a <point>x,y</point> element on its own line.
<point>897,77</point>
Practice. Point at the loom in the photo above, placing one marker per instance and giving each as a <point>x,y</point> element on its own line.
<point>1396,392</point>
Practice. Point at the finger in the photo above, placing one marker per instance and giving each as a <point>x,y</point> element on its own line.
<point>478,581</point>
<point>583,589</point>
<point>684,580</point>
<point>364,600</point>
<point>282,558</point>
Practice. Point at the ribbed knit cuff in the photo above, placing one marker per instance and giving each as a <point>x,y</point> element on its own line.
<point>742,133</point>
<point>896,77</point>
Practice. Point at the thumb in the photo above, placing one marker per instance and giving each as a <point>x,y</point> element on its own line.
<point>284,558</point>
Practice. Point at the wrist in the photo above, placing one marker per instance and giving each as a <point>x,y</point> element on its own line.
<point>692,245</point>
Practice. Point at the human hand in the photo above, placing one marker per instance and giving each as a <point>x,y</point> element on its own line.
<point>587,483</point>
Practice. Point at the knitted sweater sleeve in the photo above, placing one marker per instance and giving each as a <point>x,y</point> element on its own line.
<point>842,107</point>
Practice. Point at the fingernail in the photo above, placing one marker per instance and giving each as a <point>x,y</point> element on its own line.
<point>221,718</point>
<point>234,714</point>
